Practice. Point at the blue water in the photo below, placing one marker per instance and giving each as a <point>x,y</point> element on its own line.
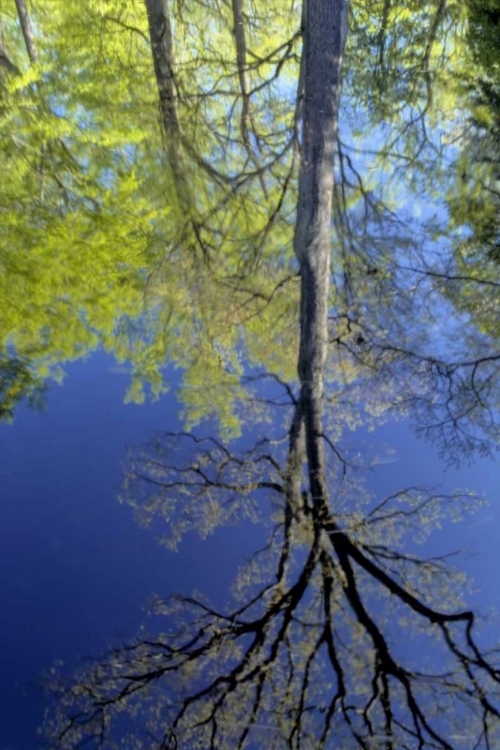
<point>76,568</point>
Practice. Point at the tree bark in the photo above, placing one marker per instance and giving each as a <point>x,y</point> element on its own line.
<point>241,63</point>
<point>29,39</point>
<point>162,49</point>
<point>324,40</point>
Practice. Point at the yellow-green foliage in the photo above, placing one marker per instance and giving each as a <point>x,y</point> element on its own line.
<point>95,250</point>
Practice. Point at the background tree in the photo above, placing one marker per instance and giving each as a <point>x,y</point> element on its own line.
<point>91,238</point>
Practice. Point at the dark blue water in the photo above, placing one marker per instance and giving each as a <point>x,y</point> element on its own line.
<point>77,570</point>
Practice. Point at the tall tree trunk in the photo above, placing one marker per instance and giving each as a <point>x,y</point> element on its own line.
<point>29,39</point>
<point>31,49</point>
<point>323,46</point>
<point>162,49</point>
<point>241,63</point>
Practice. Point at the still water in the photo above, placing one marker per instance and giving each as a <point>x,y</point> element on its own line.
<point>249,375</point>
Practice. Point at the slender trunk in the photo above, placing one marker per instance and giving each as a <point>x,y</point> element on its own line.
<point>382,35</point>
<point>436,23</point>
<point>31,49</point>
<point>241,63</point>
<point>162,48</point>
<point>29,39</point>
<point>323,45</point>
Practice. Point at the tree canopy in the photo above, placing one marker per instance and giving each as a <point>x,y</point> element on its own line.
<point>136,159</point>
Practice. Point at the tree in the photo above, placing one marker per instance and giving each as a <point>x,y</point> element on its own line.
<point>109,198</point>
<point>313,649</point>
<point>307,657</point>
<point>90,245</point>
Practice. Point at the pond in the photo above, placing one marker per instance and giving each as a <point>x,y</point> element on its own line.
<point>249,375</point>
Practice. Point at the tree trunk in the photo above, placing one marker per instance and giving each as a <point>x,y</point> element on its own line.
<point>29,39</point>
<point>323,46</point>
<point>241,64</point>
<point>162,48</point>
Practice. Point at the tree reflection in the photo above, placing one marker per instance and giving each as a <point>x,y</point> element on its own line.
<point>156,220</point>
<point>341,631</point>
<point>18,383</point>
<point>151,242</point>
<point>316,650</point>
